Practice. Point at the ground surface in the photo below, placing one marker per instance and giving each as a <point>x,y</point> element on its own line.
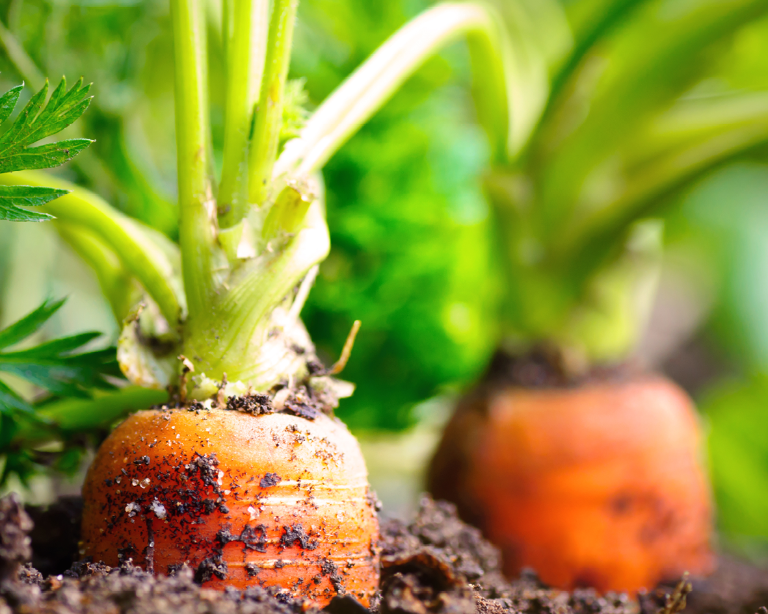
<point>434,565</point>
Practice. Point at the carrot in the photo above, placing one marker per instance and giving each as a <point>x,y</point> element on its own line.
<point>274,500</point>
<point>599,485</point>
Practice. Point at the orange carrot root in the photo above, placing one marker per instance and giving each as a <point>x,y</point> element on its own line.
<point>270,500</point>
<point>594,486</point>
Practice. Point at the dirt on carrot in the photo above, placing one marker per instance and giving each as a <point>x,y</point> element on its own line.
<point>434,564</point>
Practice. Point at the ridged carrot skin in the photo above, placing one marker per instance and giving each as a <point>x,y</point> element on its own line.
<point>269,500</point>
<point>599,485</point>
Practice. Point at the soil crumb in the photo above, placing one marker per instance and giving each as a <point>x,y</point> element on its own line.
<point>543,368</point>
<point>255,404</point>
<point>304,401</point>
<point>434,564</point>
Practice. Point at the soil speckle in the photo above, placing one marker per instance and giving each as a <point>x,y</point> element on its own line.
<point>296,534</point>
<point>256,404</point>
<point>210,567</point>
<point>270,479</point>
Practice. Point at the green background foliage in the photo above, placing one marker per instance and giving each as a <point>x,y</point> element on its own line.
<point>409,225</point>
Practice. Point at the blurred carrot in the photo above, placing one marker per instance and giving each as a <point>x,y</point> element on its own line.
<point>599,485</point>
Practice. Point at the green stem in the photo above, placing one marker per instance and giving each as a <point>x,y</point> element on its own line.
<point>21,61</point>
<point>266,130</point>
<point>138,254</point>
<point>597,29</point>
<point>245,34</point>
<point>197,208</point>
<point>373,83</point>
<point>77,415</point>
<point>238,336</point>
<point>591,243</point>
<point>117,284</point>
<point>695,121</point>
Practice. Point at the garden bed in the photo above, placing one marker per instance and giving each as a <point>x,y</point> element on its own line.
<point>434,564</point>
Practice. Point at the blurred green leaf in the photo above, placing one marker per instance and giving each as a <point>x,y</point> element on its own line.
<point>601,22</point>
<point>10,401</point>
<point>29,324</point>
<point>637,81</point>
<point>59,368</point>
<point>737,414</point>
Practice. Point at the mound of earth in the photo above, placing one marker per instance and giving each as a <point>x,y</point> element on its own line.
<point>435,564</point>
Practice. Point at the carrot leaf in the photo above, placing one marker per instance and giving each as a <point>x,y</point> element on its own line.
<point>58,366</point>
<point>38,121</point>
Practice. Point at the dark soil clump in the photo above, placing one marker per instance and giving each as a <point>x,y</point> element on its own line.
<point>541,369</point>
<point>737,587</point>
<point>255,404</point>
<point>15,544</point>
<point>435,564</point>
<point>303,401</point>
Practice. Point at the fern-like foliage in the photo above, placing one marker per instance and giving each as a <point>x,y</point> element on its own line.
<point>59,368</point>
<point>18,151</point>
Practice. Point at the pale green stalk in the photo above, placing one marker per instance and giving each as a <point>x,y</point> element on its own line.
<point>117,284</point>
<point>83,209</point>
<point>239,323</point>
<point>236,337</point>
<point>245,35</point>
<point>596,29</point>
<point>77,415</point>
<point>21,61</point>
<point>694,121</point>
<point>648,191</point>
<point>197,206</point>
<point>266,129</point>
<point>371,85</point>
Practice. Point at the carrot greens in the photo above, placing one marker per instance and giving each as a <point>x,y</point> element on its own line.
<point>607,151</point>
<point>62,368</point>
<point>37,121</point>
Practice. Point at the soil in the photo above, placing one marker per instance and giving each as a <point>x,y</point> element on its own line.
<point>543,368</point>
<point>303,401</point>
<point>435,564</point>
